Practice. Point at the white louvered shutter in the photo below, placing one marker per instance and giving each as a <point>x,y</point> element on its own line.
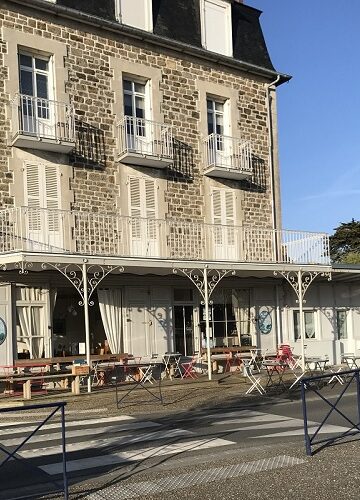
<point>223,206</point>
<point>143,209</point>
<point>150,207</point>
<point>135,207</point>
<point>230,216</point>
<point>52,196</point>
<point>32,197</point>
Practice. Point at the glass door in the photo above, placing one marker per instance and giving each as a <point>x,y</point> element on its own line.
<point>184,329</point>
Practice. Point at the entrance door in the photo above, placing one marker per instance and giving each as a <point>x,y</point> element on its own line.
<point>184,329</point>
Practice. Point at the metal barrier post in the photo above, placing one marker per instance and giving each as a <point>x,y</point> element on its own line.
<point>63,444</point>
<point>54,407</point>
<point>306,432</point>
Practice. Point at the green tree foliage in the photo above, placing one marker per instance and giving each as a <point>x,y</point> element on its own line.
<point>345,243</point>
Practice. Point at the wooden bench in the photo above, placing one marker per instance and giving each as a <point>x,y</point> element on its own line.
<point>27,381</point>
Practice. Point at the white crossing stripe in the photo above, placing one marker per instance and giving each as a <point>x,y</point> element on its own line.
<point>100,443</point>
<point>135,455</point>
<point>265,417</point>
<point>54,436</point>
<point>229,414</point>
<point>326,429</point>
<point>73,423</point>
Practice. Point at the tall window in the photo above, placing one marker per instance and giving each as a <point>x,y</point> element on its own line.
<point>341,324</point>
<point>309,320</point>
<point>34,78</point>
<point>134,98</point>
<point>216,26</point>
<point>215,117</point>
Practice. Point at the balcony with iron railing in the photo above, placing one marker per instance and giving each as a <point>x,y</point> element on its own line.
<point>227,157</point>
<point>42,124</point>
<point>144,142</point>
<point>27,229</point>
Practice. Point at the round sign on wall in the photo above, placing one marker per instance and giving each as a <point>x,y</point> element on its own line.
<point>265,321</point>
<point>3,331</point>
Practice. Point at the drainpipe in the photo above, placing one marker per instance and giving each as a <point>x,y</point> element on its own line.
<point>271,165</point>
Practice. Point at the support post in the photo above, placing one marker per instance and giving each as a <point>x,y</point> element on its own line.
<point>87,328</point>
<point>302,323</point>
<point>207,323</point>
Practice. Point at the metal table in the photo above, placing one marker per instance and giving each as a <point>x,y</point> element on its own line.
<point>275,372</point>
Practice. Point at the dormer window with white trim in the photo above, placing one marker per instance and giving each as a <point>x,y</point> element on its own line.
<point>216,32</point>
<point>135,13</point>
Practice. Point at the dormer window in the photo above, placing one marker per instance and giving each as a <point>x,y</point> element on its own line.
<point>216,33</point>
<point>135,13</point>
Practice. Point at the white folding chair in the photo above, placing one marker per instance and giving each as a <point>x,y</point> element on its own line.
<point>255,380</point>
<point>336,377</point>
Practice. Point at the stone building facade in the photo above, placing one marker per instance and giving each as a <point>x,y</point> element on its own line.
<point>146,140</point>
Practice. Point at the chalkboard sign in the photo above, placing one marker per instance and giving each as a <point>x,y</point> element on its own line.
<point>265,321</point>
<point>3,331</point>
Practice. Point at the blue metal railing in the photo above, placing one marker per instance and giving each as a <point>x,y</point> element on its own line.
<point>313,384</point>
<point>54,407</point>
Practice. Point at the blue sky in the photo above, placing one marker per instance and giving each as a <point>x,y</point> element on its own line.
<point>317,42</point>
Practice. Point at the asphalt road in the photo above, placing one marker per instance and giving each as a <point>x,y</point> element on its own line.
<point>245,446</point>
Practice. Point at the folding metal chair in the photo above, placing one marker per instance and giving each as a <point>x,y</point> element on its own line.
<point>255,380</point>
<point>188,370</point>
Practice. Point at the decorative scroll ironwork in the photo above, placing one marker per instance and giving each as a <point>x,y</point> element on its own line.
<point>197,278</point>
<point>23,266</point>
<point>307,277</point>
<point>73,272</point>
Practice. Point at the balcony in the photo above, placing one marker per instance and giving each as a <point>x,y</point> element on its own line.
<point>42,124</point>
<point>145,143</point>
<point>26,229</point>
<point>227,157</point>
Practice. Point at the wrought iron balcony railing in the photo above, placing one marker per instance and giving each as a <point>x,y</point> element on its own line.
<point>227,157</point>
<point>42,124</point>
<point>144,142</point>
<point>55,231</point>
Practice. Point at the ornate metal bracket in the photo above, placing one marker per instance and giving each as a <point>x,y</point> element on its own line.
<point>23,266</point>
<point>307,277</point>
<point>73,272</point>
<point>197,276</point>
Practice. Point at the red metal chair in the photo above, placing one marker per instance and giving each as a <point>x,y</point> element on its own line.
<point>188,368</point>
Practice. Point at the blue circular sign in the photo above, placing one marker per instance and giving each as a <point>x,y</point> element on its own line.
<point>265,321</point>
<point>3,331</point>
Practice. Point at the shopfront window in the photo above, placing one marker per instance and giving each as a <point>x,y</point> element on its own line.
<point>229,319</point>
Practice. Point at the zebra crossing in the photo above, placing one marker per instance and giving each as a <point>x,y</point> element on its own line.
<point>103,442</point>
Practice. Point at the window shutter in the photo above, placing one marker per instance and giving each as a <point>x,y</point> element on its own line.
<point>52,195</point>
<point>216,27</point>
<point>150,197</point>
<point>150,201</point>
<point>135,206</point>
<point>229,208</point>
<point>32,195</point>
<point>135,197</point>
<point>216,203</point>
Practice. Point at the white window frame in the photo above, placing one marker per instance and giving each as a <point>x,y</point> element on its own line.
<point>146,96</point>
<point>148,15</point>
<point>228,31</point>
<point>316,325</point>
